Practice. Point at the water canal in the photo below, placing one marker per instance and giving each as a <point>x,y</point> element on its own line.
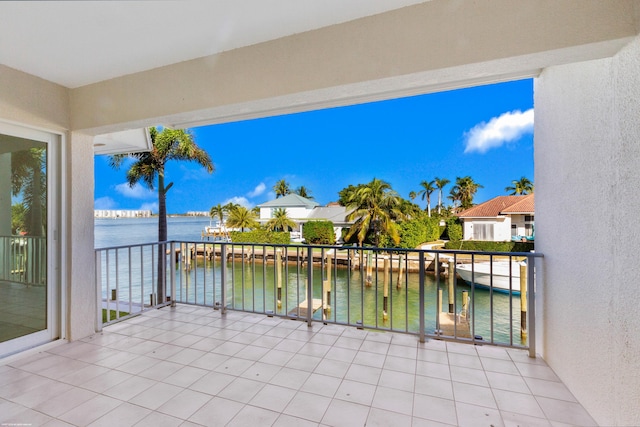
<point>253,286</point>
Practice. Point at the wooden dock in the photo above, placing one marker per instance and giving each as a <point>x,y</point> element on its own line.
<point>301,310</point>
<point>342,258</point>
<point>449,328</point>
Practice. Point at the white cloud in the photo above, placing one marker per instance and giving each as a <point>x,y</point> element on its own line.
<point>507,127</point>
<point>153,207</point>
<point>258,190</point>
<point>239,200</point>
<point>105,202</point>
<point>135,192</point>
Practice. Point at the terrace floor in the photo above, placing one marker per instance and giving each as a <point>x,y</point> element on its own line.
<point>190,366</point>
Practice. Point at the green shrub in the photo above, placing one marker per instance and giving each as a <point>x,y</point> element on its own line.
<point>319,233</point>
<point>454,229</point>
<point>432,229</point>
<point>414,232</point>
<point>261,236</point>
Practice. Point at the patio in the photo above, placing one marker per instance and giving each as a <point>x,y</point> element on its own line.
<point>190,365</point>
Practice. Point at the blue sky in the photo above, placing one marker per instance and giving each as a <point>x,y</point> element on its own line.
<point>485,132</point>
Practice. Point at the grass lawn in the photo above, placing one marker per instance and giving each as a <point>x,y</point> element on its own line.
<point>112,315</point>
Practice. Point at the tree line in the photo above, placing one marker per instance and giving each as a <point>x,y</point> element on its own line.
<point>375,207</point>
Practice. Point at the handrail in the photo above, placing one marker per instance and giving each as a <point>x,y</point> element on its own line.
<point>392,289</point>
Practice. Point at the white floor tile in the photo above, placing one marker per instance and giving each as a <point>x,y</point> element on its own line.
<point>308,406</point>
<point>345,414</point>
<point>253,416</point>
<point>190,366</point>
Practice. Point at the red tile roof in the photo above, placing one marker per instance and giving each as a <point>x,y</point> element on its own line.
<point>501,205</point>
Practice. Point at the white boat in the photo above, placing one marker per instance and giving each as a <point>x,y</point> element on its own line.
<point>483,271</point>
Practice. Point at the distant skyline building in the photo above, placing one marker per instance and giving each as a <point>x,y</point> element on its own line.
<point>121,213</point>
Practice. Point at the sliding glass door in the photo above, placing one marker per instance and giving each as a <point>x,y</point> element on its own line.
<point>28,289</point>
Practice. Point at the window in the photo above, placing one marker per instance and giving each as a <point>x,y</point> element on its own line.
<point>528,225</point>
<point>483,232</point>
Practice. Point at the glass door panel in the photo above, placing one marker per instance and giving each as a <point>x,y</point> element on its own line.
<point>24,286</point>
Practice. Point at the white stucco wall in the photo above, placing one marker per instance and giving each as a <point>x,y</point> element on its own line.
<point>35,103</point>
<point>81,291</point>
<point>587,160</point>
<point>293,213</point>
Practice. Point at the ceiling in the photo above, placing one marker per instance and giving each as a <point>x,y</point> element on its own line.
<point>76,43</point>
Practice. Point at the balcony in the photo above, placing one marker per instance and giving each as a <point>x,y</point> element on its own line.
<point>237,344</point>
<point>196,365</point>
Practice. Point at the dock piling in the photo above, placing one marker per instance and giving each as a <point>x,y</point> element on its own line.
<point>326,284</point>
<point>400,270</point>
<point>385,291</point>
<point>523,301</point>
<point>451,279</point>
<point>369,276</point>
<point>278,261</point>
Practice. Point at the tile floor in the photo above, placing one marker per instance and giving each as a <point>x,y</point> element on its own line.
<point>24,309</point>
<point>191,366</point>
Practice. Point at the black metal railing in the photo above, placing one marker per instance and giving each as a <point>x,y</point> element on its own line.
<point>465,296</point>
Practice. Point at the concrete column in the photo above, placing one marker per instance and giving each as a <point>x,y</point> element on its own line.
<point>80,261</point>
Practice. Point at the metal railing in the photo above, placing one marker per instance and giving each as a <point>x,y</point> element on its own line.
<point>23,259</point>
<point>421,292</point>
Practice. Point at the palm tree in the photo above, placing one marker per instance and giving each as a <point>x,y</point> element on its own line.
<point>374,204</point>
<point>464,190</point>
<point>168,144</point>
<point>521,186</point>
<point>303,192</point>
<point>218,211</point>
<point>427,190</point>
<point>347,193</point>
<point>241,217</point>
<point>282,188</point>
<point>28,178</point>
<point>440,184</point>
<point>413,195</point>
<point>280,221</point>
<point>230,206</point>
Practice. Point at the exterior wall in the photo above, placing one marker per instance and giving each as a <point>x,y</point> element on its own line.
<point>31,101</point>
<point>587,154</point>
<point>519,221</point>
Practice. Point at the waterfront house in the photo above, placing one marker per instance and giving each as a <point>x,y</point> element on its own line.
<point>80,79</point>
<point>301,210</point>
<point>500,219</point>
<point>297,207</point>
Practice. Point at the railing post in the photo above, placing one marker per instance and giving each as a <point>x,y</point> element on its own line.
<point>98,291</point>
<point>223,278</point>
<point>421,266</point>
<point>309,285</point>
<point>172,265</point>
<point>531,300</point>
